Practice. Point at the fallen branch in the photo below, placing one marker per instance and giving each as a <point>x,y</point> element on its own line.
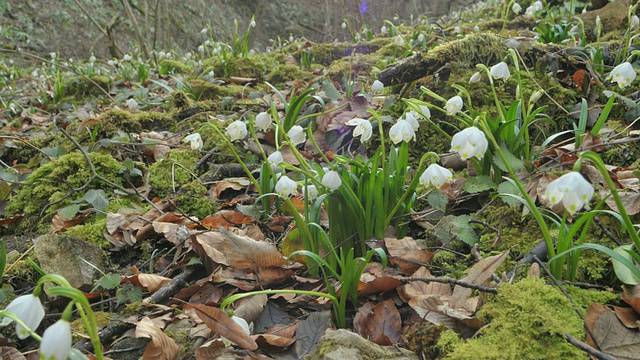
<point>451,281</point>
<point>586,348</point>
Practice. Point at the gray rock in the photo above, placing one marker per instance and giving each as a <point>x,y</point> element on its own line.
<point>343,344</point>
<point>63,255</point>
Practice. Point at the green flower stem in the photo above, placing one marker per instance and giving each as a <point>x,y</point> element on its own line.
<point>235,154</point>
<point>531,204</point>
<point>597,162</point>
<point>4,314</point>
<point>86,313</point>
<point>493,91</point>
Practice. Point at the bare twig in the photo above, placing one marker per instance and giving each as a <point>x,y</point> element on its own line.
<point>452,282</point>
<point>586,348</point>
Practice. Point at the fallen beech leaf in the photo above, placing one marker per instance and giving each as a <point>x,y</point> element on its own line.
<point>234,184</point>
<point>615,339</point>
<point>226,218</point>
<point>219,322</point>
<point>432,308</point>
<point>414,289</point>
<point>242,252</point>
<point>478,275</point>
<point>150,282</point>
<point>631,295</point>
<point>594,311</point>
<point>60,224</point>
<point>310,331</point>
<point>379,323</point>
<point>406,254</point>
<point>284,329</point>
<point>630,201</point>
<point>11,353</point>
<point>212,349</point>
<point>161,346</point>
<point>250,308</point>
<point>272,343</point>
<point>628,316</point>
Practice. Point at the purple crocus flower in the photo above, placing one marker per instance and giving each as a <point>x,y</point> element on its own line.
<point>363,7</point>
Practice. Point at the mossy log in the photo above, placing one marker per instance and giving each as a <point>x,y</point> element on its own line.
<point>489,49</point>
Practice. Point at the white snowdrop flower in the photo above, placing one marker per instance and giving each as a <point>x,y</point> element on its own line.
<point>274,160</point>
<point>252,23</point>
<point>311,192</point>
<point>538,5</point>
<point>516,8</point>
<point>363,128</point>
<point>436,176</point>
<point>286,187</point>
<point>204,31</point>
<point>395,18</point>
<point>470,142</point>
<point>92,59</point>
<point>584,10</point>
<point>56,341</point>
<point>344,25</point>
<point>201,49</point>
<point>420,38</point>
<point>476,28</point>
<point>169,55</point>
<point>126,57</point>
<point>572,189</point>
<point>237,130</point>
<point>252,52</point>
<point>243,324</point>
<point>161,54</point>
<point>500,71</point>
<point>332,180</point>
<point>53,55</point>
<point>476,77</point>
<point>535,97</point>
<point>453,105</point>
<point>211,74</point>
<point>530,11</point>
<point>634,22</point>
<point>291,38</point>
<point>263,121</point>
<point>207,43</point>
<point>410,117</point>
<point>131,104</point>
<point>426,113</point>
<point>402,131</point>
<point>623,74</point>
<point>383,29</point>
<point>457,30</point>
<point>194,140</point>
<point>296,135</point>
<point>377,86</point>
<point>27,308</point>
<point>34,73</point>
<point>398,40</point>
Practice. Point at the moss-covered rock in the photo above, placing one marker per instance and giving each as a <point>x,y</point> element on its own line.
<point>155,121</point>
<point>82,86</point>
<point>171,66</point>
<point>283,73</point>
<point>527,320</point>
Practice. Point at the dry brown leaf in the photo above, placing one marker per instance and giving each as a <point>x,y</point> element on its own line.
<point>628,316</point>
<point>614,338</point>
<point>149,282</point>
<point>432,308</point>
<point>478,275</point>
<point>223,185</point>
<point>219,322</point>
<point>250,308</point>
<point>161,346</point>
<point>272,343</point>
<point>11,353</point>
<point>243,252</point>
<point>60,224</point>
<point>406,254</point>
<point>631,295</point>
<point>284,330</point>
<point>379,323</point>
<point>211,350</point>
<point>630,201</point>
<point>226,218</point>
<point>414,289</point>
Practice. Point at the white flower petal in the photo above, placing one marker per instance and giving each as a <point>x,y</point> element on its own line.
<point>401,131</point>
<point>332,180</point>
<point>263,121</point>
<point>454,105</point>
<point>364,129</point>
<point>500,71</point>
<point>435,175</point>
<point>470,142</point>
<point>286,187</point>
<point>27,308</point>
<point>56,341</point>
<point>296,135</point>
<point>237,130</point>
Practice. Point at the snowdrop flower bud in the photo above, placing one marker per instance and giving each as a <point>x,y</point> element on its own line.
<point>297,135</point>
<point>92,59</point>
<point>516,8</point>
<point>195,140</point>
<point>453,105</point>
<point>475,78</point>
<point>383,29</point>
<point>500,71</point>
<point>402,131</point>
<point>56,341</point>
<point>572,189</point>
<point>535,97</point>
<point>204,31</point>
<point>311,192</point>
<point>377,86</point>
<point>623,74</point>
<point>131,104</point>
<point>161,55</point>
<point>27,308</point>
<point>470,142</point>
<point>420,38</point>
<point>243,324</point>
<point>476,28</point>
<point>344,25</point>
<point>127,57</point>
<point>634,22</point>
<point>286,187</point>
<point>530,11</point>
<point>411,119</point>
<point>435,175</point>
<point>263,121</point>
<point>538,5</point>
<point>425,111</point>
<point>252,23</point>
<point>398,40</point>
<point>237,130</point>
<point>457,30</point>
<point>53,55</point>
<point>112,62</point>
<point>274,159</point>
<point>332,180</point>
<point>363,128</point>
<point>201,49</point>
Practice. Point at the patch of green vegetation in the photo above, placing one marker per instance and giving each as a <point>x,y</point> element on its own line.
<point>102,319</point>
<point>91,231</point>
<point>283,73</point>
<point>115,120</point>
<point>174,66</point>
<point>352,66</point>
<point>256,66</point>
<point>155,121</point>
<point>81,86</point>
<point>52,182</point>
<point>202,90</point>
<point>584,297</point>
<point>533,317</point>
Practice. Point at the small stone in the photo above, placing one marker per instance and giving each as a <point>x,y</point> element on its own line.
<point>343,344</point>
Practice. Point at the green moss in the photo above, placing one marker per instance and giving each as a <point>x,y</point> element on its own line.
<point>81,86</point>
<point>169,174</point>
<point>91,231</point>
<point>584,297</point>
<point>283,73</point>
<point>155,121</point>
<point>114,120</point>
<point>516,233</point>
<point>532,317</point>
<point>179,100</point>
<point>351,66</point>
<point>52,182</point>
<point>256,66</point>
<point>202,90</point>
<point>102,319</point>
<point>174,66</point>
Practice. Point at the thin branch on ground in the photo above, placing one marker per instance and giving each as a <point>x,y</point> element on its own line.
<point>451,281</point>
<point>587,348</point>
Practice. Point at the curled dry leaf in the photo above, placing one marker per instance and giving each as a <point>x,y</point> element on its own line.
<point>628,316</point>
<point>379,323</point>
<point>251,308</point>
<point>478,275</point>
<point>414,289</point>
<point>161,346</point>
<point>243,252</point>
<point>406,254</point>
<point>272,343</point>
<point>432,308</point>
<point>149,282</point>
<point>613,337</point>
<point>212,349</point>
<point>219,322</point>
<point>226,218</point>
<point>631,295</point>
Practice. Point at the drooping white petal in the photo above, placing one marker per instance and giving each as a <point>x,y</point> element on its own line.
<point>311,192</point>
<point>243,324</point>
<point>475,78</point>
<point>194,140</point>
<point>274,159</point>
<point>263,121</point>
<point>363,128</point>
<point>377,86</point>
<point>500,71</point>
<point>297,135</point>
<point>623,74</point>
<point>571,189</point>
<point>516,8</point>
<point>27,308</point>
<point>237,130</point>
<point>286,187</point>
<point>435,175</point>
<point>453,105</point>
<point>332,180</point>
<point>402,131</point>
<point>470,142</point>
<point>56,341</point>
<point>425,111</point>
<point>410,117</point>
